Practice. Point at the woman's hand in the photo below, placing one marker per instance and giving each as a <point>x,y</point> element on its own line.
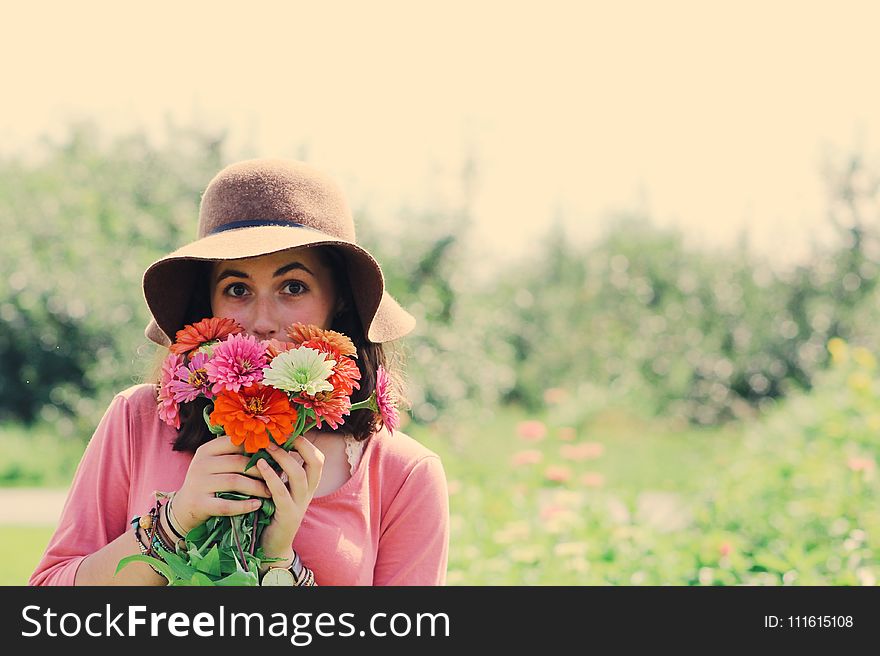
<point>291,498</point>
<point>217,466</point>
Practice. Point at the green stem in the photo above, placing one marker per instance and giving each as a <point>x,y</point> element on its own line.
<point>210,539</point>
<point>254,519</point>
<point>238,544</point>
<point>289,443</point>
<point>366,404</point>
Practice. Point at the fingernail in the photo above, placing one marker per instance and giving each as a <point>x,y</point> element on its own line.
<point>272,447</point>
<point>262,463</point>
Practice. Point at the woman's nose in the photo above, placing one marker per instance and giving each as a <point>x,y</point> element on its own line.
<point>264,322</point>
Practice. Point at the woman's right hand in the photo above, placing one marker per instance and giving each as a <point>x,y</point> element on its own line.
<point>217,466</point>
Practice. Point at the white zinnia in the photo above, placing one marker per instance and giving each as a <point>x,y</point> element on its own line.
<point>300,370</point>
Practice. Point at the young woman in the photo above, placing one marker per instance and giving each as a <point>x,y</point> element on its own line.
<point>360,505</point>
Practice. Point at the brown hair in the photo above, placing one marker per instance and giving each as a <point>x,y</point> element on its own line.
<point>193,432</point>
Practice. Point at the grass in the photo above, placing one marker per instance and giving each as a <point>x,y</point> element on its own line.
<point>37,456</point>
<point>20,550</point>
<point>634,497</point>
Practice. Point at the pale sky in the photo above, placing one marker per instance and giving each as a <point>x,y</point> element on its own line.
<point>714,117</point>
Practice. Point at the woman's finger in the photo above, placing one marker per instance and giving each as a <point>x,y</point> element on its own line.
<point>221,444</point>
<point>313,460</point>
<point>296,475</point>
<point>229,482</point>
<point>280,493</point>
<point>229,463</point>
<point>230,507</point>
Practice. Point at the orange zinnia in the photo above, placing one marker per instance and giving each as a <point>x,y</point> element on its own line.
<point>324,340</point>
<point>249,415</point>
<point>194,335</point>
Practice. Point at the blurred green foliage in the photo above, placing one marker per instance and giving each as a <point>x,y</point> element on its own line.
<point>79,226</point>
<point>709,336</point>
<point>703,336</point>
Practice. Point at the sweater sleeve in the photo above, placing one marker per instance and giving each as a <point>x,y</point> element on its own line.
<point>414,540</point>
<point>94,513</point>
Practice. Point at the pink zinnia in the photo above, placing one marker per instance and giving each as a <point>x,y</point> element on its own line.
<point>557,473</point>
<point>168,408</point>
<point>527,457</point>
<point>532,430</point>
<point>581,451</point>
<point>191,379</point>
<point>238,362</point>
<point>386,401</point>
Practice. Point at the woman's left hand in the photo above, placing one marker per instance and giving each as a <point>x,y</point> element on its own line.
<point>292,498</point>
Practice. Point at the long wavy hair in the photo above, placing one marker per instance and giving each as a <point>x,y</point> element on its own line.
<point>193,432</point>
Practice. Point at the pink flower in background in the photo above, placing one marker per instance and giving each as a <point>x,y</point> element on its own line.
<point>725,549</point>
<point>593,479</point>
<point>581,451</point>
<point>168,408</point>
<point>861,464</point>
<point>567,434</point>
<point>555,395</point>
<point>528,457</point>
<point>532,430</point>
<point>191,379</point>
<point>238,362</point>
<point>557,473</point>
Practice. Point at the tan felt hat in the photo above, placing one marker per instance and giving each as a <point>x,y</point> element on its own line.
<point>261,206</point>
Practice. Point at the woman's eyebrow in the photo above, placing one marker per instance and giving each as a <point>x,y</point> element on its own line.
<point>234,273</point>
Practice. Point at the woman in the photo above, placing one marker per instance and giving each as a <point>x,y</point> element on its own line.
<point>357,506</point>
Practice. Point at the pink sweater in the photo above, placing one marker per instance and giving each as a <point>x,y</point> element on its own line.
<point>387,525</point>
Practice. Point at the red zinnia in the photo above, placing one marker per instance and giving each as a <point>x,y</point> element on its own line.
<point>194,335</point>
<point>345,376</point>
<point>327,406</point>
<point>250,414</point>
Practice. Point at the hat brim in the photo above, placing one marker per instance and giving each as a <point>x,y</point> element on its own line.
<point>168,283</point>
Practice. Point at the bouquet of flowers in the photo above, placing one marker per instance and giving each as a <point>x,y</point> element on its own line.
<point>257,391</point>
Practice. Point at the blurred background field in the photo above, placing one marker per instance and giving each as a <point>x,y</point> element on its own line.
<point>619,397</point>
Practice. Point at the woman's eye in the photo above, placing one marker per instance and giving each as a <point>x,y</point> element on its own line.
<point>236,289</point>
<point>295,287</point>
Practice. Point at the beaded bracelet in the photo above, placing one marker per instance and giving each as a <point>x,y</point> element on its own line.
<point>145,551</point>
<point>156,535</point>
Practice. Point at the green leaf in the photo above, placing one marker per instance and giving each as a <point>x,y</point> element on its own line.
<point>239,577</point>
<point>216,429</point>
<point>198,533</point>
<point>181,569</point>
<point>141,558</point>
<point>210,562</point>
<point>201,580</point>
<point>260,455</point>
<point>235,496</point>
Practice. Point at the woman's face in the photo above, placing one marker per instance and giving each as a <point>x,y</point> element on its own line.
<point>268,293</point>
